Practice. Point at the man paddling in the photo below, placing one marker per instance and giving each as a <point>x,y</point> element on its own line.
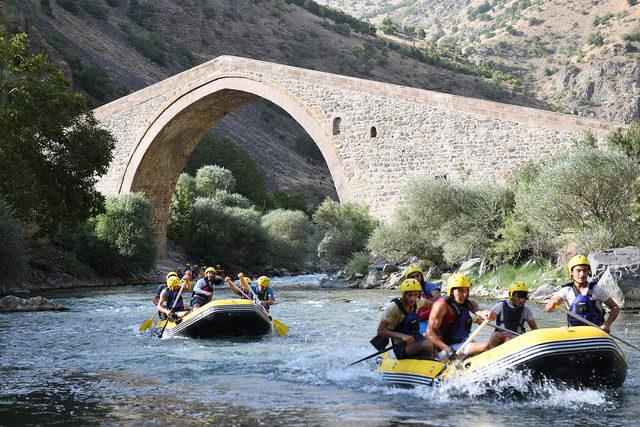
<point>203,291</point>
<point>584,298</point>
<point>400,323</point>
<point>170,298</point>
<point>450,319</point>
<point>511,314</point>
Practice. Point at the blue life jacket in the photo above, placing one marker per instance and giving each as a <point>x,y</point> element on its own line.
<point>409,324</point>
<point>459,330</point>
<point>172,295</point>
<point>585,307</point>
<point>513,318</point>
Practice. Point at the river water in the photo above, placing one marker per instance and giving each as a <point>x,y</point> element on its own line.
<point>91,365</point>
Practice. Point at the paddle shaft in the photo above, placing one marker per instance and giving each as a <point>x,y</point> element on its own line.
<point>473,335</point>
<point>375,354</point>
<point>280,328</point>
<point>586,322</point>
<point>500,328</point>
<point>166,322</point>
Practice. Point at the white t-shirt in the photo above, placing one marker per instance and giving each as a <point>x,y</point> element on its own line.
<point>599,294</point>
<point>528,314</point>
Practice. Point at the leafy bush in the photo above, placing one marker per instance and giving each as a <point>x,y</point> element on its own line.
<point>584,192</point>
<point>224,235</point>
<point>595,39</point>
<point>359,263</point>
<point>225,198</point>
<point>346,228</point>
<point>401,239</point>
<point>95,8</point>
<point>340,18</point>
<point>126,227</point>
<point>120,241</point>
<point>182,199</point>
<point>141,13</point>
<point>288,232</point>
<point>387,26</point>
<point>627,141</point>
<point>151,47</point>
<point>279,199</point>
<point>13,257</point>
<point>211,178</point>
<point>223,152</point>
<point>98,84</point>
<point>70,6</point>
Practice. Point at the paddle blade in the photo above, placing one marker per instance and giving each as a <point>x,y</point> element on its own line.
<point>146,325</point>
<point>280,328</point>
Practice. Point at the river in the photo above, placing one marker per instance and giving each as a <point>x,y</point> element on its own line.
<point>91,365</point>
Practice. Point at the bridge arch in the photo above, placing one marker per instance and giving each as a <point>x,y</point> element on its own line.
<point>165,145</point>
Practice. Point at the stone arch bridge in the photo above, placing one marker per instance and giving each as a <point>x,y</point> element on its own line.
<point>373,136</point>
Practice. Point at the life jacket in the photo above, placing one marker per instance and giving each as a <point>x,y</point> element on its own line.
<point>208,287</point>
<point>585,307</point>
<point>171,298</point>
<point>409,324</point>
<point>513,318</point>
<point>456,328</point>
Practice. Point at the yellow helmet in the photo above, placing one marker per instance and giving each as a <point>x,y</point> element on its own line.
<point>173,283</point>
<point>518,287</point>
<point>210,269</point>
<point>264,282</point>
<point>457,280</point>
<point>576,261</point>
<point>170,275</point>
<point>410,285</point>
<point>412,269</point>
<point>247,280</point>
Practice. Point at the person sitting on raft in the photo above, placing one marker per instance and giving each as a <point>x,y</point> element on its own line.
<point>203,291</point>
<point>168,297</point>
<point>243,291</point>
<point>263,291</point>
<point>161,287</point>
<point>511,314</point>
<point>430,291</point>
<point>450,319</point>
<point>584,298</point>
<point>400,323</point>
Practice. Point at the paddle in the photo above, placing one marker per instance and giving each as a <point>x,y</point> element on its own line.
<point>280,328</point>
<point>473,335</point>
<point>586,322</point>
<point>147,323</point>
<point>500,328</point>
<point>376,353</point>
<point>166,322</point>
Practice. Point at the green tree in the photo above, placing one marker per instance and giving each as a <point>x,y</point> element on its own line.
<point>627,141</point>
<point>52,148</point>
<point>387,26</point>
<point>422,33</point>
<point>288,232</point>
<point>13,258</point>
<point>410,30</point>
<point>211,178</point>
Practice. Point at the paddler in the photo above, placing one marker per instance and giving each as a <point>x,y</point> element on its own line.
<point>161,287</point>
<point>168,298</point>
<point>203,291</point>
<point>400,323</point>
<point>584,298</point>
<point>263,291</point>
<point>243,291</point>
<point>450,319</point>
<point>511,314</point>
<point>430,291</point>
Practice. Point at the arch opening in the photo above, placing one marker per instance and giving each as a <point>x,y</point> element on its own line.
<point>165,146</point>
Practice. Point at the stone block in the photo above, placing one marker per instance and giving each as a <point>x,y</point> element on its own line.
<point>623,285</point>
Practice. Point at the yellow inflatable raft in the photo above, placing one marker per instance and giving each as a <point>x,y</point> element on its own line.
<point>581,356</point>
<point>233,317</point>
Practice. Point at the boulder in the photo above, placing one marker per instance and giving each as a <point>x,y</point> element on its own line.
<point>543,293</point>
<point>471,266</point>
<point>618,271</point>
<point>389,268</point>
<point>12,303</point>
<point>628,256</point>
<point>623,285</point>
<point>393,281</point>
<point>373,280</point>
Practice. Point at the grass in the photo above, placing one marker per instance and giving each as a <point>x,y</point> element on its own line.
<point>532,273</point>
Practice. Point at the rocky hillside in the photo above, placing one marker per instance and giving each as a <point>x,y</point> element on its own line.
<point>112,47</point>
<point>577,57</point>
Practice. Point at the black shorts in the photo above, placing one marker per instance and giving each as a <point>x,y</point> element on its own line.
<point>400,350</point>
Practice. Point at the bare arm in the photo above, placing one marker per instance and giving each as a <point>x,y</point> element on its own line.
<point>532,324</point>
<point>615,311</point>
<point>435,321</point>
<point>555,301</point>
<point>231,285</point>
<point>385,331</point>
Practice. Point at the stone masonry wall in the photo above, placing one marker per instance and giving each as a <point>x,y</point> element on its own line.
<point>418,132</point>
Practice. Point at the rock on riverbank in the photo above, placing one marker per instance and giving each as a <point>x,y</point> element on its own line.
<point>12,303</point>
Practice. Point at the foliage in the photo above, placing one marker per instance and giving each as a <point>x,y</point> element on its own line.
<point>224,235</point>
<point>287,232</point>
<point>151,47</point>
<point>595,39</point>
<point>98,84</point>
<point>211,178</point>
<point>182,199</point>
<point>223,152</point>
<point>45,5</point>
<point>52,147</point>
<point>359,263</point>
<point>13,257</point>
<point>279,199</point>
<point>532,273</point>
<point>70,6</point>
<point>388,26</point>
<point>583,192</point>
<point>401,239</point>
<point>225,198</point>
<point>307,146</point>
<point>346,228</point>
<point>94,8</point>
<point>120,241</point>
<point>141,13</point>
<point>337,16</point>
<point>627,141</point>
